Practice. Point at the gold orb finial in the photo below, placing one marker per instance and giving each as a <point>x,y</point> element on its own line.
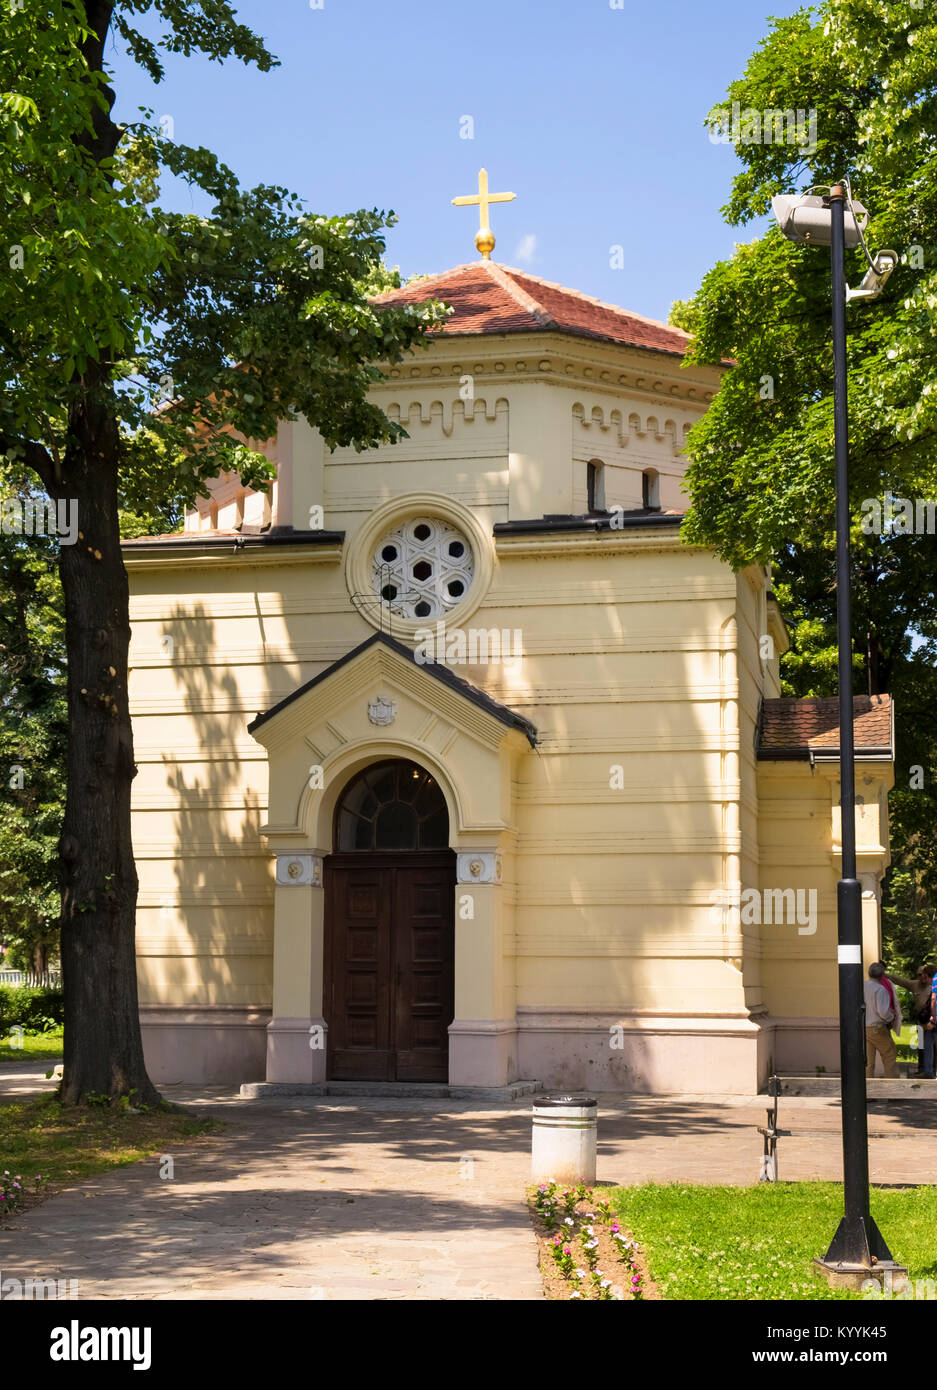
<point>484,237</point>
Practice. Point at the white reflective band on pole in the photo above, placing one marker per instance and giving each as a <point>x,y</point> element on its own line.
<point>849,955</point>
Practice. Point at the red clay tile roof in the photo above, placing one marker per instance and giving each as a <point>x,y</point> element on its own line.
<point>797,728</point>
<point>491,298</point>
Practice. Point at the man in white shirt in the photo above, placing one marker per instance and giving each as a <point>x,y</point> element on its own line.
<point>879,1020</point>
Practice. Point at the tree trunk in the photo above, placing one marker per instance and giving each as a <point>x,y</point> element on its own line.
<point>876,664</point>
<point>103,1047</point>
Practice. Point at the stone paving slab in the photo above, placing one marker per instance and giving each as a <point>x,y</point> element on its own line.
<point>877,1087</point>
<point>21,1079</point>
<point>319,1202</point>
<point>331,1198</point>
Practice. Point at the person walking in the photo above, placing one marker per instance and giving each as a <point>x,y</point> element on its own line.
<point>879,1020</point>
<point>921,990</point>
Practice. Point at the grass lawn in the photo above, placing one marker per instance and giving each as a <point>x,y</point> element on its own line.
<point>66,1144</point>
<point>907,1044</point>
<point>758,1242</point>
<point>35,1047</point>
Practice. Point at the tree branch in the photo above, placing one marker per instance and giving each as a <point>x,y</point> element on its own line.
<point>35,456</point>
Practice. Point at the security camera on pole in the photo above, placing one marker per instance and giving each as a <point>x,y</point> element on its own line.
<point>858,1250</point>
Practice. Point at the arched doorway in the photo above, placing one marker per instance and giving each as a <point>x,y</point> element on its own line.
<point>389,928</point>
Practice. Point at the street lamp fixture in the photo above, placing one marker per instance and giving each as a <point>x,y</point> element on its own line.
<point>858,1250</point>
<point>806,217</point>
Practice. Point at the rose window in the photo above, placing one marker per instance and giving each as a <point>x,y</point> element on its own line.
<point>423,568</point>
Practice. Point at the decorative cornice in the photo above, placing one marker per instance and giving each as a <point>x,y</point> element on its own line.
<point>450,411</point>
<point>630,426</point>
<point>557,359</point>
<point>221,552</point>
<point>646,532</point>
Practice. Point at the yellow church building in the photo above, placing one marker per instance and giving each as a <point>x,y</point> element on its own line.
<point>457,765</point>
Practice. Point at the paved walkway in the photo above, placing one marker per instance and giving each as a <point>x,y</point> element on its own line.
<point>392,1199</point>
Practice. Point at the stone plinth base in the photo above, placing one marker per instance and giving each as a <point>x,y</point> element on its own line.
<point>644,1054</point>
<point>892,1277</point>
<point>214,1045</point>
<point>296,1050</point>
<point>483,1053</point>
<point>627,1053</point>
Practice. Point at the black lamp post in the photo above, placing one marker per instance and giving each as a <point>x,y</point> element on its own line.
<point>858,1249</point>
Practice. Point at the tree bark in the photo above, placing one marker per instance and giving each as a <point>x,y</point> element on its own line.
<point>103,1047</point>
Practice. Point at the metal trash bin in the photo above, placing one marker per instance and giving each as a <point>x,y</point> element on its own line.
<point>563,1140</point>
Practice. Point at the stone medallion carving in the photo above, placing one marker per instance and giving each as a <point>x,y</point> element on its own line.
<point>300,869</point>
<point>479,866</point>
<point>382,711</point>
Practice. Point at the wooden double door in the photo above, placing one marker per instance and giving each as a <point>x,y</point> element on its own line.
<point>389,965</point>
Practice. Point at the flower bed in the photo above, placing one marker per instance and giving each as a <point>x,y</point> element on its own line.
<point>584,1251</point>
<point>15,1192</point>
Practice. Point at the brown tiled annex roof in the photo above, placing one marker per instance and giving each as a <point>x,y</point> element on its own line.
<point>801,728</point>
<point>491,298</point>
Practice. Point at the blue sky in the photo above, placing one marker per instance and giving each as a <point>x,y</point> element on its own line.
<point>591,115</point>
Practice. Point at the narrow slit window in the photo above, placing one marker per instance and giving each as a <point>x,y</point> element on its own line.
<point>595,487</point>
<point>650,490</point>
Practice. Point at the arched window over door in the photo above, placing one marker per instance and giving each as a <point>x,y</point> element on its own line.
<point>393,805</point>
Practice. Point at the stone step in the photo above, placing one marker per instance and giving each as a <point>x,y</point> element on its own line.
<point>878,1088</point>
<point>394,1090</point>
<point>516,1090</point>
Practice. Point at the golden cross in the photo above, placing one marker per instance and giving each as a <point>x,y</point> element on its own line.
<point>484,237</point>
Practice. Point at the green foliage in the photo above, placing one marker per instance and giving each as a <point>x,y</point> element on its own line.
<point>32,737</point>
<point>761,470</point>
<point>32,1047</point>
<point>215,326</point>
<point>34,1010</point>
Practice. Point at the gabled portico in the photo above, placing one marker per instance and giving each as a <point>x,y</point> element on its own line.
<point>379,703</point>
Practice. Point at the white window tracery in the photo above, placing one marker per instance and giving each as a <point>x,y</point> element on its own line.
<point>423,568</point>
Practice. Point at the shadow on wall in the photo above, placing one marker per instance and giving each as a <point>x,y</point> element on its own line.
<point>624,825</point>
<point>213,930</point>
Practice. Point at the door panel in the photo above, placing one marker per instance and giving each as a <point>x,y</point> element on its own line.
<point>423,935</point>
<point>358,904</point>
<point>389,964</point>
